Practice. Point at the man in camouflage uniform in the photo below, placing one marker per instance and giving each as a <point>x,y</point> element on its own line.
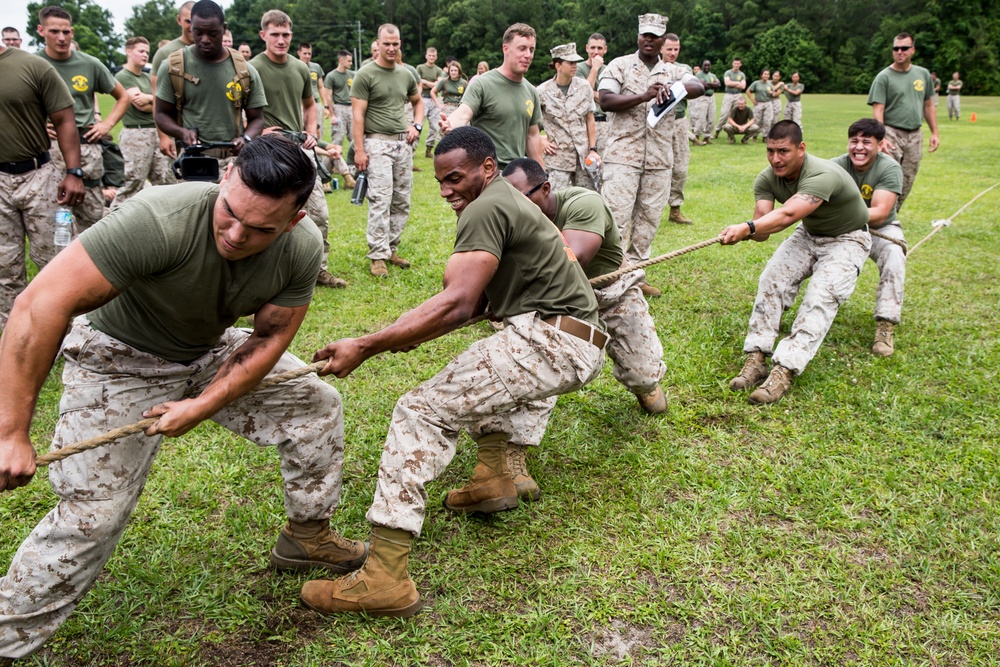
<point>703,108</point>
<point>759,96</point>
<point>777,88</point>
<point>954,97</point>
<point>508,257</point>
<point>569,121</point>
<point>430,74</point>
<point>31,187</point>
<point>830,245</point>
<point>901,98</point>
<point>84,75</point>
<point>638,158</point>
<point>735,82</point>
<point>158,342</point>
<point>337,101</point>
<point>679,139</point>
<point>316,75</point>
<point>185,39</point>
<point>139,139</point>
<point>590,231</point>
<point>382,147</point>
<point>793,93</point>
<point>591,69</point>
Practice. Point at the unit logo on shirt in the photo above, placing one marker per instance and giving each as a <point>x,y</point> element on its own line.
<point>866,192</point>
<point>81,83</point>
<point>233,91</point>
<point>918,85</point>
<point>530,106</point>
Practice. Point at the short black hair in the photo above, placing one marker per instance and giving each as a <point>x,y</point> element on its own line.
<point>477,144</point>
<point>305,45</point>
<point>276,167</point>
<point>343,53</point>
<point>207,9</point>
<point>532,171</point>
<point>867,127</point>
<point>786,129</point>
<point>53,12</point>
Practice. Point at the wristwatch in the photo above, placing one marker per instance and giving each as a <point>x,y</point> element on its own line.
<point>247,138</point>
<point>75,171</point>
<point>418,126</point>
<point>593,148</point>
<point>753,227</point>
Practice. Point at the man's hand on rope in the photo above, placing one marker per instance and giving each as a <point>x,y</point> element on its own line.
<point>17,462</point>
<point>342,356</point>
<point>175,418</point>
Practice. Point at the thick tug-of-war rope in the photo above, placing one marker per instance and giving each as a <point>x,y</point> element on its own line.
<point>295,373</point>
<point>939,224</point>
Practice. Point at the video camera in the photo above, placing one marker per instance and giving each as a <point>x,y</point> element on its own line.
<point>193,165</point>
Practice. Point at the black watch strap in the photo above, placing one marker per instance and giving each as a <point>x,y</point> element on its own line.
<point>753,227</point>
<point>75,171</point>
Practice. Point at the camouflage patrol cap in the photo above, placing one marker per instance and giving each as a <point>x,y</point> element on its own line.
<point>566,52</point>
<point>653,24</point>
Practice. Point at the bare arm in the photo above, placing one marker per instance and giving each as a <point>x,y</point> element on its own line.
<point>37,324</point>
<point>883,203</point>
<point>412,135</point>
<point>358,109</point>
<point>534,147</point>
<point>769,220</point>
<point>166,122</point>
<point>878,112</point>
<point>591,131</point>
<point>71,188</point>
<point>461,117</point>
<point>583,244</point>
<point>122,102</point>
<point>930,115</point>
<point>465,279</point>
<point>309,121</point>
<point>274,328</point>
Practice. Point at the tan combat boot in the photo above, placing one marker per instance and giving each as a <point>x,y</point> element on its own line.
<point>776,386</point>
<point>381,588</point>
<point>429,152</point>
<point>649,291</point>
<point>327,279</point>
<point>678,217</point>
<point>491,488</point>
<point>526,486</point>
<point>349,182</point>
<point>883,346</point>
<point>303,545</point>
<point>655,402</point>
<point>754,372</point>
<point>378,269</point>
<point>396,260</point>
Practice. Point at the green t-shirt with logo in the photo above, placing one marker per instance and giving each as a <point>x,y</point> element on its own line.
<point>178,294</point>
<point>955,82</point>
<point>707,78</point>
<point>340,84</point>
<point>842,211</point>
<point>428,73</point>
<point>504,110</point>
<point>884,174</point>
<point>210,106</point>
<point>161,53</point>
<point>315,76</point>
<point>285,86</point>
<point>761,91</point>
<point>733,75</point>
<point>133,117</point>
<point>32,89</point>
<point>535,271</point>
<point>84,75</point>
<point>903,94</point>
<point>449,91</point>
<point>793,91</point>
<point>586,211</point>
<point>388,92</point>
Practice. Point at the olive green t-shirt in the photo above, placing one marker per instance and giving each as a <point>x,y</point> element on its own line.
<point>707,78</point>
<point>741,116</point>
<point>586,211</point>
<point>884,174</point>
<point>178,294</point>
<point>504,110</point>
<point>451,92</point>
<point>315,76</point>
<point>955,82</point>
<point>133,117</point>
<point>209,106</point>
<point>161,54</point>
<point>388,92</point>
<point>903,94</point>
<point>84,75</point>
<point>429,73</point>
<point>285,86</point>
<point>340,84</point>
<point>761,91</point>
<point>733,75</point>
<point>535,271</point>
<point>793,91</point>
<point>32,89</point>
<point>842,211</point>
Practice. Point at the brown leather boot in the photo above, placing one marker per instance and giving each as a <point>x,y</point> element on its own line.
<point>303,545</point>
<point>327,279</point>
<point>774,388</point>
<point>883,346</point>
<point>396,260</point>
<point>527,488</point>
<point>649,291</point>
<point>381,588</point>
<point>678,217</point>
<point>491,488</point>
<point>349,182</point>
<point>754,372</point>
<point>429,151</point>
<point>378,269</point>
<point>655,402</point>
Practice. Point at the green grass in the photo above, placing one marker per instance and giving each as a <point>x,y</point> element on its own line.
<point>855,522</point>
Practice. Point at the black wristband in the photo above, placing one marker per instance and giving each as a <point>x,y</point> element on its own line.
<point>753,227</point>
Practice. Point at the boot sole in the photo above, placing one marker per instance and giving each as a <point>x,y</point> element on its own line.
<point>491,506</point>
<point>282,564</point>
<point>401,612</point>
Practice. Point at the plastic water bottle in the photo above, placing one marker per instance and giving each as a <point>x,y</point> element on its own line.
<point>360,189</point>
<point>593,166</point>
<point>64,228</point>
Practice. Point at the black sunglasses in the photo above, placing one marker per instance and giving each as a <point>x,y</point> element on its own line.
<point>535,189</point>
<point>901,48</point>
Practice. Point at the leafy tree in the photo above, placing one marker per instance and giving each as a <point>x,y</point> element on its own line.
<point>93,28</point>
<point>155,20</point>
<point>790,48</point>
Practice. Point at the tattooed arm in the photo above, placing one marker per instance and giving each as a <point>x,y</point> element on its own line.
<point>768,220</point>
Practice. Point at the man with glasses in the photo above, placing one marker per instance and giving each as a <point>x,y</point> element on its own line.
<point>11,38</point>
<point>901,97</point>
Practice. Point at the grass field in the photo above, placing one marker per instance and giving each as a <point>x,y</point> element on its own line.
<point>855,522</point>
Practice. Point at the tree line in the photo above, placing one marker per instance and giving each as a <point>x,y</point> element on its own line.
<point>837,46</point>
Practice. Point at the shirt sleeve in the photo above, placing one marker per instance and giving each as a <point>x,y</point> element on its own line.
<point>481,228</point>
<point>536,109</point>
<point>891,178</point>
<point>877,93</point>
<point>54,92</point>
<point>164,84</point>
<point>473,97</point>
<point>359,88</point>
<point>611,79</point>
<point>306,255</point>
<point>762,187</point>
<point>257,97</point>
<point>307,86</point>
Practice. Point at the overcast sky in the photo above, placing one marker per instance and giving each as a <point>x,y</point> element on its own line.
<point>16,14</point>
